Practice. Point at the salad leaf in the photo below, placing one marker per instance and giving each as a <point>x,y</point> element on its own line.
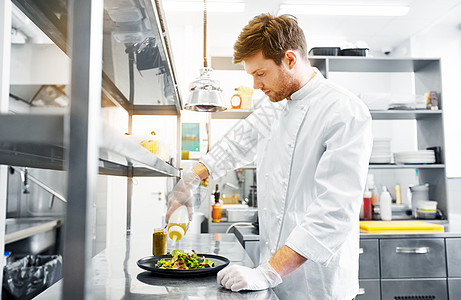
<point>184,260</point>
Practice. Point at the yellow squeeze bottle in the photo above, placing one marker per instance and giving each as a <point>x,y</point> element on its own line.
<point>178,224</point>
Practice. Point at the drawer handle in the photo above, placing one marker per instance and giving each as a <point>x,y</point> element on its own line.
<point>410,250</point>
<point>361,291</point>
<point>360,250</point>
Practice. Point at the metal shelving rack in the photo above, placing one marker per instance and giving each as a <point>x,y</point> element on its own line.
<point>78,142</point>
<point>426,76</point>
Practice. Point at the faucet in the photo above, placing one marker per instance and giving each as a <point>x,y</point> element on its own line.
<point>231,186</point>
<point>25,181</point>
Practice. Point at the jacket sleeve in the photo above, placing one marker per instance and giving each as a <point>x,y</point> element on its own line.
<point>339,183</point>
<point>238,146</point>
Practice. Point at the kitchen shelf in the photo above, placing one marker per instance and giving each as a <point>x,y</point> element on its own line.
<point>407,166</point>
<point>346,64</point>
<point>137,75</point>
<point>44,148</point>
<point>376,114</point>
<point>372,64</point>
<point>424,75</point>
<point>404,114</point>
<point>232,114</point>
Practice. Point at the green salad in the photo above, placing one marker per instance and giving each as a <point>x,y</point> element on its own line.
<point>183,260</point>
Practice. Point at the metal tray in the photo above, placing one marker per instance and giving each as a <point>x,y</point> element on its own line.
<point>149,263</point>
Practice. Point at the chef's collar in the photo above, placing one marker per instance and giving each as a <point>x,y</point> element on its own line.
<point>305,90</point>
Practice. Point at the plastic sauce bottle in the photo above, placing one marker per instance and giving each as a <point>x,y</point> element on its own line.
<point>216,212</point>
<point>386,205</point>
<point>178,224</point>
<point>367,206</point>
<point>398,194</point>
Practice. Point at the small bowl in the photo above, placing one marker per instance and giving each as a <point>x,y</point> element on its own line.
<point>425,214</point>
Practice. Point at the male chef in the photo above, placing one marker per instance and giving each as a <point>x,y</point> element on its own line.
<point>311,143</point>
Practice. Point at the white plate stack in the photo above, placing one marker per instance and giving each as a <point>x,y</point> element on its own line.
<point>381,152</point>
<point>415,157</point>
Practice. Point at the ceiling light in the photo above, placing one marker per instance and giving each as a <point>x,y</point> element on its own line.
<point>344,10</point>
<point>194,6</point>
<point>206,94</point>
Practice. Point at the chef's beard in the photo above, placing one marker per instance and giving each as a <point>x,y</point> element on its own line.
<point>286,86</point>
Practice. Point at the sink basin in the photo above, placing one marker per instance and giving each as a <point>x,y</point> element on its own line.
<point>242,214</point>
<point>25,236</point>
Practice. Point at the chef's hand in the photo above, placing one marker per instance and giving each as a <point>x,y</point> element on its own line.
<point>238,278</point>
<point>183,193</point>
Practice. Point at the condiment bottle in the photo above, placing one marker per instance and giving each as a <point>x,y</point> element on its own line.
<point>372,188</point>
<point>398,194</point>
<point>386,205</point>
<point>216,212</point>
<point>159,242</point>
<point>178,223</point>
<point>367,206</point>
<point>236,101</point>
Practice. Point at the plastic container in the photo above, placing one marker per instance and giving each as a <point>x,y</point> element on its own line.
<point>178,223</point>
<point>398,194</point>
<point>372,188</point>
<point>426,210</point>
<point>354,52</point>
<point>327,51</point>
<point>419,193</point>
<point>385,201</point>
<point>31,275</point>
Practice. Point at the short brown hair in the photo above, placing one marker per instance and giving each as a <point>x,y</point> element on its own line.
<point>273,35</point>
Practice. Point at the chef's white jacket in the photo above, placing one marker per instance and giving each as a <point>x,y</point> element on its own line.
<point>312,155</point>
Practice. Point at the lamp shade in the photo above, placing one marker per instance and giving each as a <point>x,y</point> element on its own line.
<point>205,93</point>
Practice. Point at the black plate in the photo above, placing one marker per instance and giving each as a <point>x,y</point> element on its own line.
<point>149,263</point>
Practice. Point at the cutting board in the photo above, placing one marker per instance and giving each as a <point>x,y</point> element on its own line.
<point>399,226</point>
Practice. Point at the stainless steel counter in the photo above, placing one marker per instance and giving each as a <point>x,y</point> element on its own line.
<point>251,233</point>
<point>116,275</point>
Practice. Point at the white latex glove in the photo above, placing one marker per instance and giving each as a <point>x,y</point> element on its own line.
<point>238,278</point>
<point>183,193</point>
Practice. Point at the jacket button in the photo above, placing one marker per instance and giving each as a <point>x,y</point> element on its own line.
<point>272,251</point>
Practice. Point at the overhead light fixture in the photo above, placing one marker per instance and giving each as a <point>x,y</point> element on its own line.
<point>194,6</point>
<point>344,10</point>
<point>205,92</point>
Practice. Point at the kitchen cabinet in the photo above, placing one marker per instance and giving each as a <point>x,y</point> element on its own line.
<point>400,265</point>
<point>77,141</point>
<point>369,259</point>
<point>454,267</point>
<point>410,266</point>
<point>369,273</point>
<point>417,288</point>
<point>413,258</point>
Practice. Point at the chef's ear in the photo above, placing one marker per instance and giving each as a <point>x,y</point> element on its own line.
<point>290,58</point>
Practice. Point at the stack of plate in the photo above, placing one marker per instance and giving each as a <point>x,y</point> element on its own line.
<point>415,157</point>
<point>381,152</point>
